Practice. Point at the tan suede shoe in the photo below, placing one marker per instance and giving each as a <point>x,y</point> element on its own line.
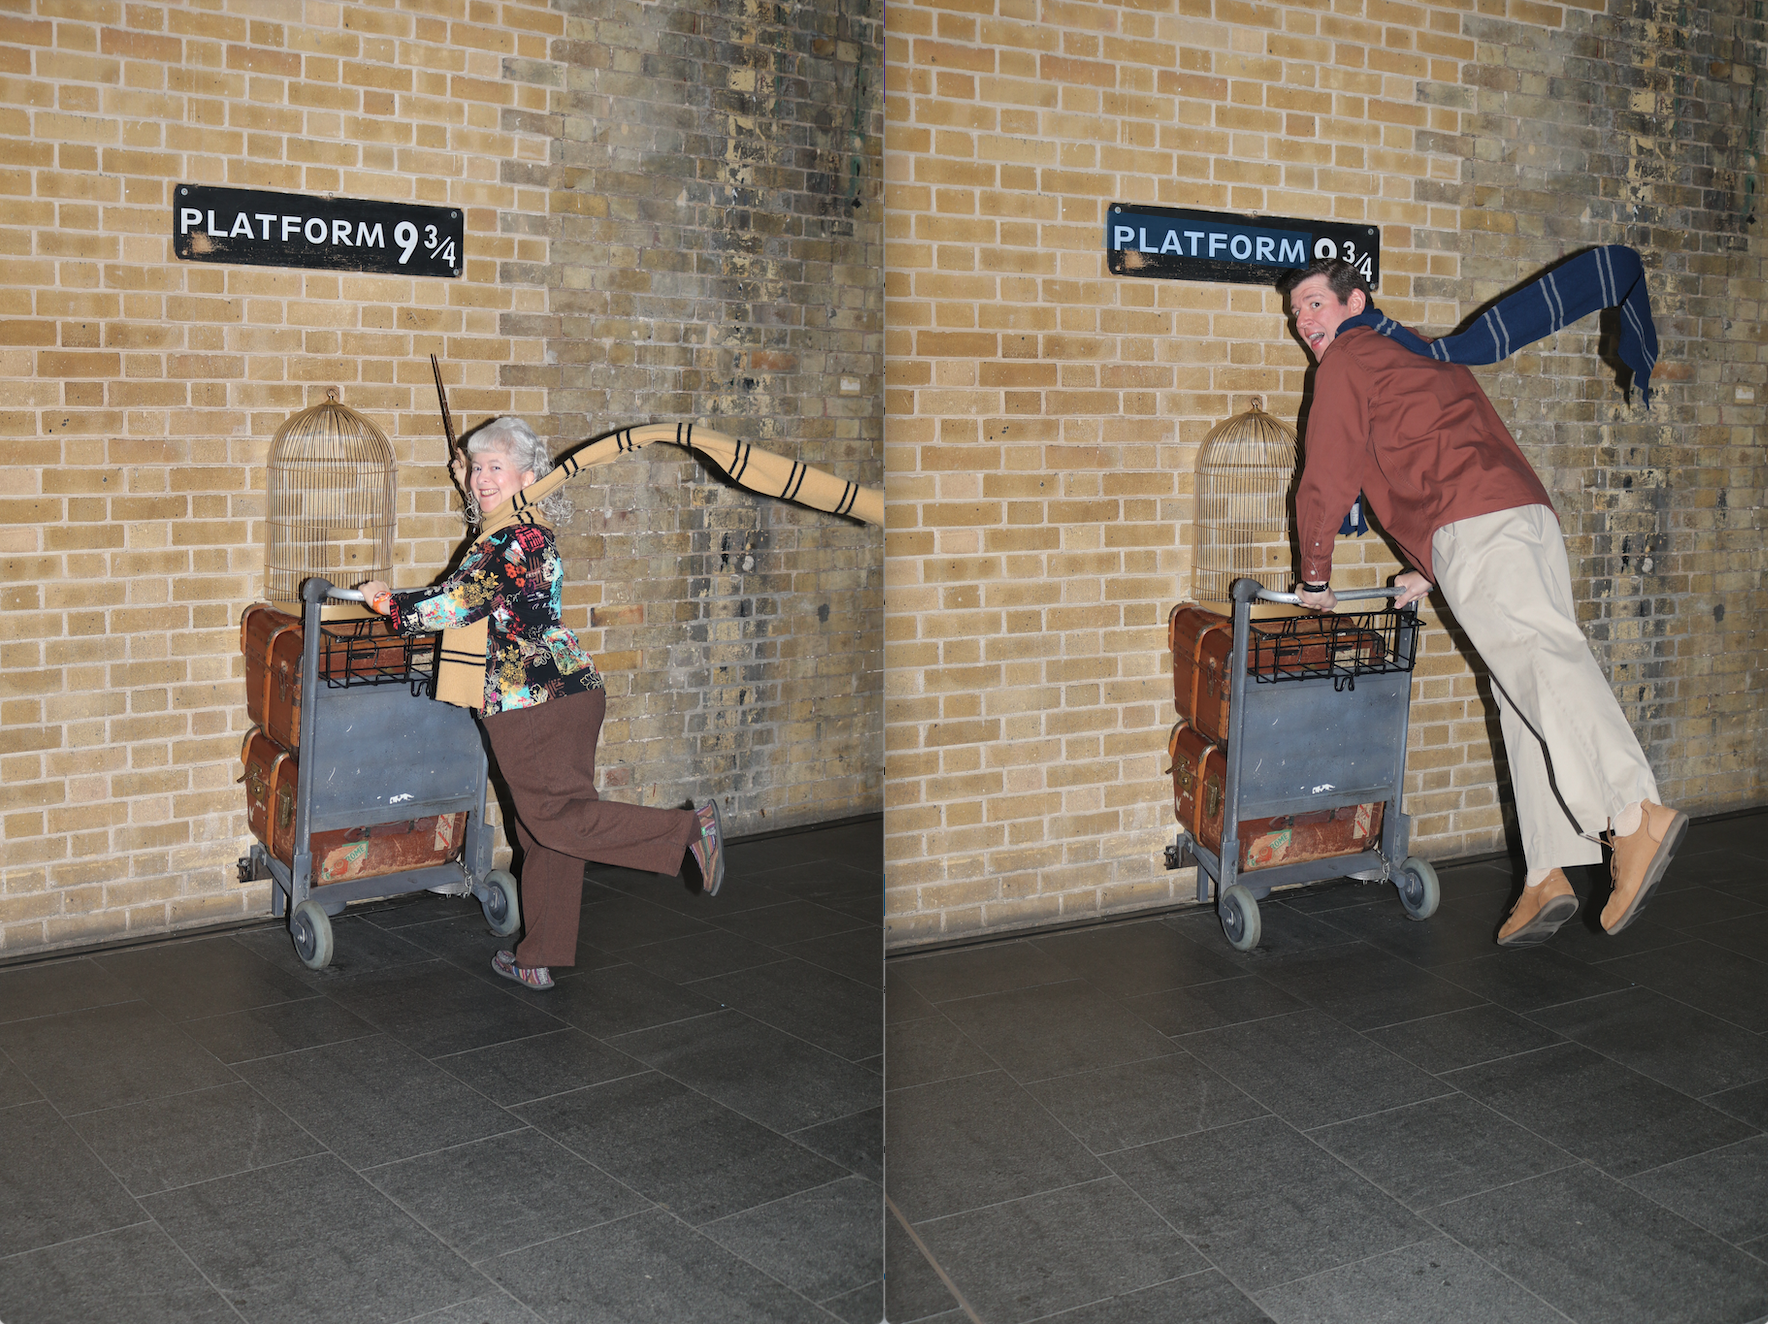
<point>1539,912</point>
<point>1637,862</point>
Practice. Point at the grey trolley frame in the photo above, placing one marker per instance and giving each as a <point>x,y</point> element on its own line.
<point>1302,745</point>
<point>378,751</point>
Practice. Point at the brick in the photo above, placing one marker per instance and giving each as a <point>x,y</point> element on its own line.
<point>143,393</point>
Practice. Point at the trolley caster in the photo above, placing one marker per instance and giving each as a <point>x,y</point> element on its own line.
<point>252,867</point>
<point>1239,915</point>
<point>1178,855</point>
<point>1418,888</point>
<point>502,911</point>
<point>310,928</point>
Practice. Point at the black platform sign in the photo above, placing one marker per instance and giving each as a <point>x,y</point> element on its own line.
<point>1173,244</point>
<point>328,234</point>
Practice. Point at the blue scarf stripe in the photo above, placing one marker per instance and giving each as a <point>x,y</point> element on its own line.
<point>1601,278</point>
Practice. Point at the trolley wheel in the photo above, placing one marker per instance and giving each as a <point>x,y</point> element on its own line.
<point>1418,888</point>
<point>310,928</point>
<point>1239,915</point>
<point>502,911</point>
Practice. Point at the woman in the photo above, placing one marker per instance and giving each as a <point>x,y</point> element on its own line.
<point>542,707</point>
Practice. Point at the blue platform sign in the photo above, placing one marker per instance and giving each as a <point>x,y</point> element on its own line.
<point>1170,243</point>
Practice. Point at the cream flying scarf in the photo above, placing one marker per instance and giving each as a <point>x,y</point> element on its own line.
<point>460,677</point>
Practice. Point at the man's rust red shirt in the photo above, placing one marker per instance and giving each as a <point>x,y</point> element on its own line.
<point>1416,437</point>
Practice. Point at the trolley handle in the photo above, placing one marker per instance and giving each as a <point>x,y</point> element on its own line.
<point>1343,595</point>
<point>346,594</point>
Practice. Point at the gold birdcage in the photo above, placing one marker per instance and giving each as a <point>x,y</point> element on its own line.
<point>331,495</point>
<point>1244,473</point>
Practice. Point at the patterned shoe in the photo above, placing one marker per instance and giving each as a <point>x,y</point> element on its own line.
<point>1637,862</point>
<point>537,977</point>
<point>1539,912</point>
<point>708,851</point>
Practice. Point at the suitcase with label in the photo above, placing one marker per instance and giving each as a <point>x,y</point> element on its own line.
<point>1199,772</point>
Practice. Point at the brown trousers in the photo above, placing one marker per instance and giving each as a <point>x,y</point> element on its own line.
<point>547,756</point>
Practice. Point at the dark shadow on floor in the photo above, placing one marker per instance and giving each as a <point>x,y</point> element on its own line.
<point>1366,1119</point>
<point>688,1127</point>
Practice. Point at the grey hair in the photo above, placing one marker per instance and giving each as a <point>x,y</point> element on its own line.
<point>528,452</point>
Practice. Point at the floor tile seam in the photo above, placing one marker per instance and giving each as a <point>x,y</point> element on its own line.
<point>1602,1173</point>
<point>556,1094</point>
<point>1633,1070</point>
<point>790,1034</point>
<point>1704,1011</point>
<point>368,1168</point>
<point>75,1011</point>
<point>1067,1311</point>
<point>1402,1107</point>
<point>321,1151</point>
<point>1714,1232</point>
<point>146,1220</point>
<point>653,1208</point>
<point>784,958</point>
<point>164,1098</point>
<point>595,1167</point>
<point>1452,1240</point>
<point>1108,1175</point>
<point>565,1027</point>
<point>782,1199</point>
<point>1418,1211</point>
<point>713,1100</point>
<point>1026,1081</point>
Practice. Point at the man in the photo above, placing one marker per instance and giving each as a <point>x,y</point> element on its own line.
<point>1418,438</point>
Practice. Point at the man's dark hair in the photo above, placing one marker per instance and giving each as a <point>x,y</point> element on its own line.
<point>1341,278</point>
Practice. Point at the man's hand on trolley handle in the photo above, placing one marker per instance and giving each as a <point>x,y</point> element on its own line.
<point>1413,587</point>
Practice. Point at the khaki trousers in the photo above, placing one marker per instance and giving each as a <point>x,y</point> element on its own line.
<point>1574,761</point>
<point>547,756</point>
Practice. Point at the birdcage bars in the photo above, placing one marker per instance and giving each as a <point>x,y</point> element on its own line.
<point>330,500</point>
<point>1244,471</point>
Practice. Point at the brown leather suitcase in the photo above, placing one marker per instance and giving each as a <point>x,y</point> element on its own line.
<point>258,630</point>
<point>1199,772</point>
<point>282,689</point>
<point>270,778</point>
<point>271,641</point>
<point>1202,641</point>
<point>365,852</point>
<point>270,793</point>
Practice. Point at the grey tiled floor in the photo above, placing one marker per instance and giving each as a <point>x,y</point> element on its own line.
<point>1365,1120</point>
<point>688,1127</point>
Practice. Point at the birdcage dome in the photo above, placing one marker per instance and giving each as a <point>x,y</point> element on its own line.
<point>331,494</point>
<point>1244,473</point>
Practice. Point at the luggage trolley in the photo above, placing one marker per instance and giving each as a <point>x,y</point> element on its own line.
<point>1313,728</point>
<point>376,754</point>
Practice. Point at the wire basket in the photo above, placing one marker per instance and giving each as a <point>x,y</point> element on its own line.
<point>367,652</point>
<point>1339,646</point>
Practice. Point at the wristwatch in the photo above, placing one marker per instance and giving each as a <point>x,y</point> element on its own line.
<point>1302,586</point>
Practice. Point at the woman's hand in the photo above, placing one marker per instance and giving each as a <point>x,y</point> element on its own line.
<point>375,594</point>
<point>1413,587</point>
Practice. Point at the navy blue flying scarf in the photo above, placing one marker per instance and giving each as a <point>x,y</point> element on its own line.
<point>1607,277</point>
<point>1602,278</point>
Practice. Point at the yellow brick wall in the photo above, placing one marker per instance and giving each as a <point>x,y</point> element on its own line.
<point>139,393</point>
<point>1043,417</point>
